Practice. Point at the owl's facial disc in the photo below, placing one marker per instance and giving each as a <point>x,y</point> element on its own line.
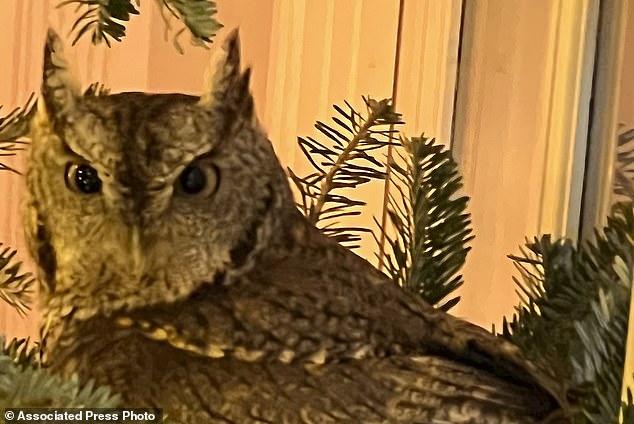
<point>151,215</point>
<point>141,198</point>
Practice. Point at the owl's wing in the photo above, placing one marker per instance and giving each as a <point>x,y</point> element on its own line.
<point>322,304</point>
<point>386,390</point>
<point>266,318</point>
<point>196,389</point>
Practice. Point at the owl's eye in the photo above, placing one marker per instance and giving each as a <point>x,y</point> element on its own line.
<point>82,178</point>
<point>198,179</point>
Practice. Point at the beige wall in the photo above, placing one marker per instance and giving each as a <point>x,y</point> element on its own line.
<point>500,141</point>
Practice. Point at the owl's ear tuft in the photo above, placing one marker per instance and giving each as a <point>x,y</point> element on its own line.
<point>59,88</point>
<point>229,86</point>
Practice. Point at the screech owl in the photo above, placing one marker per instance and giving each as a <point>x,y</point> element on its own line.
<point>177,269</point>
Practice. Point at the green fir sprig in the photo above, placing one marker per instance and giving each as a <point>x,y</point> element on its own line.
<point>16,288</point>
<point>25,384</point>
<point>13,128</point>
<point>344,160</point>
<point>106,20</point>
<point>431,222</point>
<point>102,19</point>
<point>624,169</point>
<point>198,17</point>
<point>573,319</point>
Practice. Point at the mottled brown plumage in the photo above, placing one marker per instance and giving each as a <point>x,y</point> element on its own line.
<point>218,301</point>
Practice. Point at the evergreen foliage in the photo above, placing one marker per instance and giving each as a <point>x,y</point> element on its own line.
<point>573,319</point>
<point>16,288</point>
<point>106,20</point>
<point>24,384</point>
<point>198,17</point>
<point>344,161</point>
<point>432,225</point>
<point>13,127</point>
<point>103,18</point>
<point>623,185</point>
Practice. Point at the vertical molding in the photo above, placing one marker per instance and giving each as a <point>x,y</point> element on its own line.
<point>519,133</point>
<point>628,366</point>
<point>322,53</point>
<point>425,79</point>
<point>354,50</point>
<point>282,94</point>
<point>602,142</point>
<point>326,63</point>
<point>469,77</point>
<point>628,372</point>
<point>617,16</point>
<point>568,115</point>
<point>428,70</point>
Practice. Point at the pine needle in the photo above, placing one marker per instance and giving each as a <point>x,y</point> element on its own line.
<point>16,288</point>
<point>25,384</point>
<point>343,161</point>
<point>102,19</point>
<point>431,222</point>
<point>198,16</point>
<point>13,128</point>
<point>573,319</point>
<point>106,20</point>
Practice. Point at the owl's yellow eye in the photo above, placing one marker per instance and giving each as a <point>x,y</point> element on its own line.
<point>82,178</point>
<point>198,179</point>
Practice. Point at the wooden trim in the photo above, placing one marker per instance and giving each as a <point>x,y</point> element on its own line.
<point>597,195</point>
<point>628,368</point>
<point>569,104</point>
<point>428,67</point>
<point>602,141</point>
<point>598,189</point>
<point>425,76</point>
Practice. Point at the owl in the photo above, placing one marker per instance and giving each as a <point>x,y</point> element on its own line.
<point>176,269</point>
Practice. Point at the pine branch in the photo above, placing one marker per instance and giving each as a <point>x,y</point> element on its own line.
<point>104,19</point>
<point>198,17</point>
<point>377,110</point>
<point>573,319</point>
<point>431,223</point>
<point>624,169</point>
<point>22,352</point>
<point>23,383</point>
<point>15,288</point>
<point>13,127</point>
<point>345,161</point>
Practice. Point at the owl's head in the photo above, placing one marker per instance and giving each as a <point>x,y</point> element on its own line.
<point>140,198</point>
